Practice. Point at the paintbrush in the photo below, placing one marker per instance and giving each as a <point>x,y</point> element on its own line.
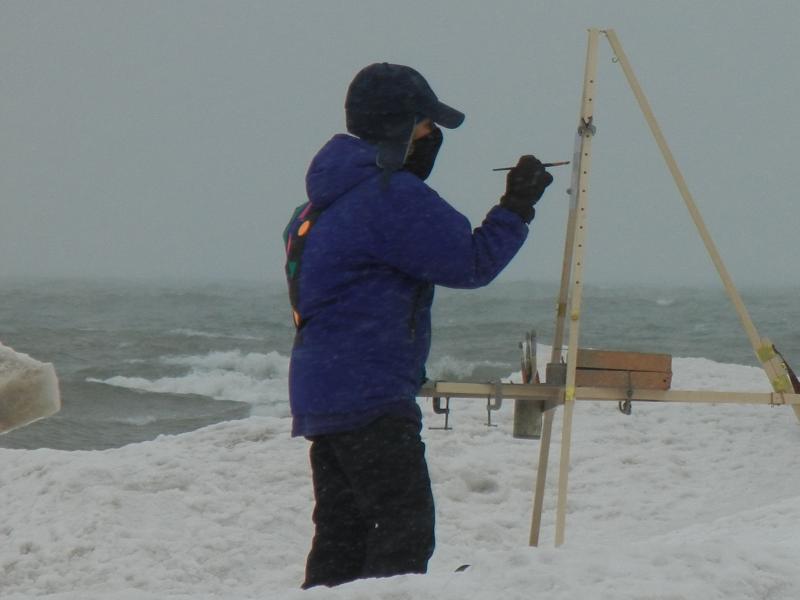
<point>552,164</point>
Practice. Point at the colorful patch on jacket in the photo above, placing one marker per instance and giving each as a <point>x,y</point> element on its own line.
<point>294,239</point>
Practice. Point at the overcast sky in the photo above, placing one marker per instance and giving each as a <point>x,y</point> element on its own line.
<point>170,139</point>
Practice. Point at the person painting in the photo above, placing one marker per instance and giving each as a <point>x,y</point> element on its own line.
<point>363,257</point>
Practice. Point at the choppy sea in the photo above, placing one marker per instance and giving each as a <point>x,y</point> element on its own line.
<point>139,359</point>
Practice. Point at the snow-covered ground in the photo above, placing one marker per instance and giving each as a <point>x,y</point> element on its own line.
<point>672,502</point>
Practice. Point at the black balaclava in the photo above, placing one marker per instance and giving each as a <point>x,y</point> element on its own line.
<point>423,153</point>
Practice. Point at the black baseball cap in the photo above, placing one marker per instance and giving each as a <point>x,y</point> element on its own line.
<point>385,101</point>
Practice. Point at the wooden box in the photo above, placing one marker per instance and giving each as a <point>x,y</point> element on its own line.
<point>611,368</point>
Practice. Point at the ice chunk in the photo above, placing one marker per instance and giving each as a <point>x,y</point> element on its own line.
<point>28,389</point>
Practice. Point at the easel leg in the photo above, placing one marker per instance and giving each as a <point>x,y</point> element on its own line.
<point>563,473</point>
<point>586,131</point>
<point>541,476</point>
<point>762,347</point>
<point>558,341</point>
<point>571,286</point>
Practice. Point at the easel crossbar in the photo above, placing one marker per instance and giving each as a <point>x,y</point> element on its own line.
<point>690,396</point>
<point>556,394</point>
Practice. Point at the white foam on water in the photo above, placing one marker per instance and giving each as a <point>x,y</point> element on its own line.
<point>138,421</point>
<point>258,379</point>
<point>207,334</point>
<point>448,366</point>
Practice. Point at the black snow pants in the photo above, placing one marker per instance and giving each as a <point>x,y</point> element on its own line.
<point>374,513</point>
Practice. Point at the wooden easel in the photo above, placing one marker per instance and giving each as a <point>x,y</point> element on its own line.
<point>552,394</point>
<point>572,277</point>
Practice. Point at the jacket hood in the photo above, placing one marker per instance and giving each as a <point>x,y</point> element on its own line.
<point>342,164</point>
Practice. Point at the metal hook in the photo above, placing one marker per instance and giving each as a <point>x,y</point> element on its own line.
<point>437,408</point>
<point>625,406</point>
<point>497,404</point>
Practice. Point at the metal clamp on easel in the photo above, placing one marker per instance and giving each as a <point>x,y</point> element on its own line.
<point>587,127</point>
<point>625,406</point>
<point>496,405</point>
<point>439,410</point>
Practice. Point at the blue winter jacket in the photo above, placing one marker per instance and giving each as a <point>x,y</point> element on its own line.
<point>372,253</point>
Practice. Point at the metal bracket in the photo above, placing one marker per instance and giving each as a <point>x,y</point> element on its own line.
<point>625,406</point>
<point>439,410</point>
<point>587,127</point>
<point>496,405</point>
<point>779,402</point>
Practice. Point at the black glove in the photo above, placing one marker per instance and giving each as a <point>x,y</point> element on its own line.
<point>525,184</point>
<point>423,154</point>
